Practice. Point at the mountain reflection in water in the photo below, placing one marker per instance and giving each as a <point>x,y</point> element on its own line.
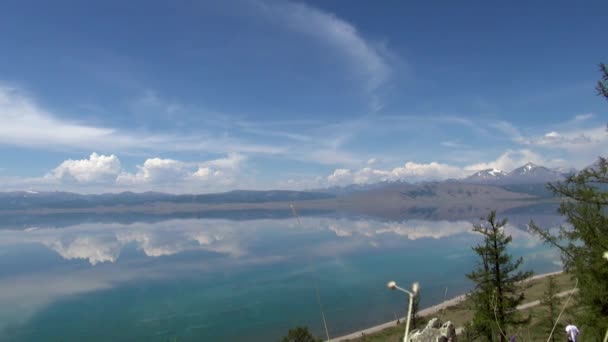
<point>224,279</point>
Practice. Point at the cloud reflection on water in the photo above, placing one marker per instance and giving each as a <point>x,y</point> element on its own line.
<point>100,243</point>
<point>228,243</point>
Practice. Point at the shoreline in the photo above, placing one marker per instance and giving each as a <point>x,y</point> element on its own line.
<point>425,312</point>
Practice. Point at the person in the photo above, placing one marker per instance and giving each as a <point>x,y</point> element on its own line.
<point>572,332</point>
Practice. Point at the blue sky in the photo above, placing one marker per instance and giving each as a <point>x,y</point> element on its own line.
<point>201,96</point>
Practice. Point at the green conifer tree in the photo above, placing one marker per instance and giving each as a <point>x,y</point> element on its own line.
<point>552,307</point>
<point>300,334</point>
<point>498,282</point>
<point>584,239</point>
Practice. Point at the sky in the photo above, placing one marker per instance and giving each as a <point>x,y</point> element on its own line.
<point>205,96</point>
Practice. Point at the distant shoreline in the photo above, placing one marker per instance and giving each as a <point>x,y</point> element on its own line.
<point>446,200</point>
<point>425,312</point>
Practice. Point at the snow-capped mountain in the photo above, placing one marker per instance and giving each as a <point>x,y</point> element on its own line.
<point>526,174</point>
<point>531,173</point>
<point>527,169</point>
<point>488,175</point>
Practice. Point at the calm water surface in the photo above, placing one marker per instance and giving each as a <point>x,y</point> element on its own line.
<point>220,279</point>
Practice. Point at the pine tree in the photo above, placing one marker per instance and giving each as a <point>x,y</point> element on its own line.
<point>483,323</point>
<point>551,305</point>
<point>498,288</point>
<point>584,240</point>
<point>602,84</point>
<point>300,334</point>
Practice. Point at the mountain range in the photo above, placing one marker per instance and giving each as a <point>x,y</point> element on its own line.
<point>20,200</point>
<point>526,174</point>
<point>487,188</point>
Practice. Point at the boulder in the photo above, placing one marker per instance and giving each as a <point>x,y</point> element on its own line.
<point>448,330</point>
<point>434,331</point>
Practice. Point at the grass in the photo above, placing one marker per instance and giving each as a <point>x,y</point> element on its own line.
<point>535,331</point>
<point>461,313</point>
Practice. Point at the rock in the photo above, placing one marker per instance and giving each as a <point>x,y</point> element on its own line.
<point>448,330</point>
<point>434,323</point>
<point>434,331</point>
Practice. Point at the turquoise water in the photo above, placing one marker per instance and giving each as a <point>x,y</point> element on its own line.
<point>228,280</point>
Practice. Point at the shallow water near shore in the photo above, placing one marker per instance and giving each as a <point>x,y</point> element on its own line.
<point>219,279</point>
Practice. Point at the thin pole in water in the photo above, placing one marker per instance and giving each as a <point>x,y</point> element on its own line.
<point>295,214</point>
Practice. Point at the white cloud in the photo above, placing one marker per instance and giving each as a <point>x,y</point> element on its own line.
<point>578,140</point>
<point>156,170</point>
<point>340,177</point>
<point>580,146</point>
<point>583,117</point>
<point>207,176</point>
<point>98,168</point>
<point>571,140</point>
<point>368,61</point>
<point>104,173</point>
<point>25,123</point>
<point>232,162</point>
<point>221,171</point>
<point>205,173</point>
<point>512,159</point>
<point>430,171</point>
<point>410,171</point>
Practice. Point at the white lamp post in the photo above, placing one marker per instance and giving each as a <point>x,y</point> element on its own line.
<point>393,286</point>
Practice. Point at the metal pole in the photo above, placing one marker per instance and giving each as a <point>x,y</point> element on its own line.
<point>409,314</point>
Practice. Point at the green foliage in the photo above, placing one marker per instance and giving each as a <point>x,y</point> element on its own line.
<point>498,287</point>
<point>552,306</point>
<point>468,333</point>
<point>602,84</point>
<point>584,240</point>
<point>300,334</point>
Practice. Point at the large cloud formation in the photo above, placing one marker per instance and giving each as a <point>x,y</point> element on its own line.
<point>410,171</point>
<point>156,170</point>
<point>107,172</point>
<point>97,168</point>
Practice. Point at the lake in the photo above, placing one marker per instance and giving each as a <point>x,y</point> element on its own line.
<point>241,277</point>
